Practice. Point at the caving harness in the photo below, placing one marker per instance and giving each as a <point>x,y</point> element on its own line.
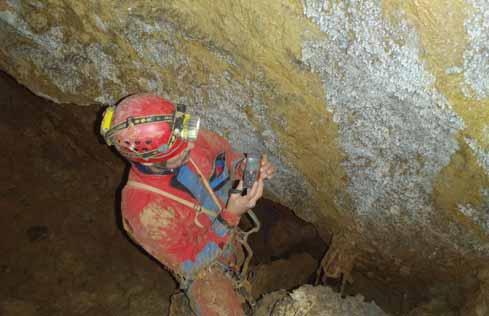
<point>240,278</point>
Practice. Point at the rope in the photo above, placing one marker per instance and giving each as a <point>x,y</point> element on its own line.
<point>244,242</point>
<point>198,208</point>
<point>206,184</point>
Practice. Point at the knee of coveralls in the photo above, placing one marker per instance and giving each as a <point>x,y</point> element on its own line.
<point>214,295</point>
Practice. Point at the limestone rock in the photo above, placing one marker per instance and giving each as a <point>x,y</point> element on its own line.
<point>315,301</point>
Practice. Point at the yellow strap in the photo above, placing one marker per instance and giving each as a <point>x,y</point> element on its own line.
<point>198,208</point>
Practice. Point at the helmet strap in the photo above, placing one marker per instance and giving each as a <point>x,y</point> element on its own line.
<point>161,168</point>
<point>133,121</point>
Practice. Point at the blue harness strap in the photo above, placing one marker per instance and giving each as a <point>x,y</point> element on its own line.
<point>192,182</point>
<point>221,184</point>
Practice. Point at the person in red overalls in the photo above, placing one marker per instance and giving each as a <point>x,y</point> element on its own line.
<point>179,203</point>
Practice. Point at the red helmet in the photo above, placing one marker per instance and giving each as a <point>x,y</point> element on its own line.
<point>147,128</point>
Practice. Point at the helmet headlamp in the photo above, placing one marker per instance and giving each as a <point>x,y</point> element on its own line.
<point>107,119</point>
<point>184,125</point>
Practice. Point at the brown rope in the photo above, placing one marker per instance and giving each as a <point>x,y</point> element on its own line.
<point>204,181</point>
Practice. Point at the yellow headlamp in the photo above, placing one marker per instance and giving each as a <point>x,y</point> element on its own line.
<point>107,120</point>
<point>186,126</point>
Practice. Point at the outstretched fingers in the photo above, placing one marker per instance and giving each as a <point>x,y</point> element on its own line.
<point>267,169</point>
<point>255,193</point>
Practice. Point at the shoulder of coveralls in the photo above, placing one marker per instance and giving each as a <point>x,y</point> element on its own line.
<point>213,140</point>
<point>216,144</point>
<point>135,199</point>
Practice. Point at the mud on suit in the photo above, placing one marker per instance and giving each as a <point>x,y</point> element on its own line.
<point>188,243</point>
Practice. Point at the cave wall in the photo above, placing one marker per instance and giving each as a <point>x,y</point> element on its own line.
<point>375,112</point>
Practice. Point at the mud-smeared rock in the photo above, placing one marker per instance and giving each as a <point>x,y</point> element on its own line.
<point>315,301</point>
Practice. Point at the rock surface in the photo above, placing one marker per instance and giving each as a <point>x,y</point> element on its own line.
<point>375,112</point>
<point>283,274</point>
<point>478,302</point>
<point>315,301</point>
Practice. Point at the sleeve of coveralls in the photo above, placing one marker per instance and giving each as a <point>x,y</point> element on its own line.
<point>229,219</point>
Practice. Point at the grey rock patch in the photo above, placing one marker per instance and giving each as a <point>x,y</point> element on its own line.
<point>315,301</point>
<point>100,24</point>
<point>66,65</point>
<point>476,55</point>
<point>396,129</point>
<point>454,70</point>
<point>141,35</point>
<point>481,154</point>
<point>222,108</point>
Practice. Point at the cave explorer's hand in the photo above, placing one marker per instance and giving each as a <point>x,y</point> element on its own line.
<point>267,169</point>
<point>239,204</point>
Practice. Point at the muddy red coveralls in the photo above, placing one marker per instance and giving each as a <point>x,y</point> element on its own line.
<point>196,247</point>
